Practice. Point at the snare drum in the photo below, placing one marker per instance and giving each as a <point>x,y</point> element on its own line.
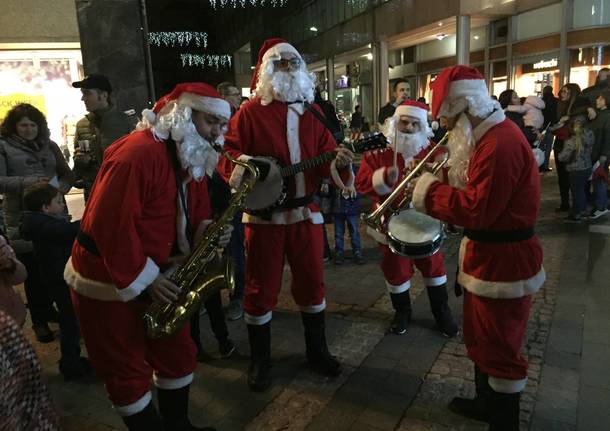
<point>413,234</point>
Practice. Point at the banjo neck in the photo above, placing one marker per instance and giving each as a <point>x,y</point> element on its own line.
<point>292,170</point>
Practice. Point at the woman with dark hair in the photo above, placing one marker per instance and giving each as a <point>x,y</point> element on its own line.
<point>567,96</point>
<point>510,97</point>
<point>27,156</point>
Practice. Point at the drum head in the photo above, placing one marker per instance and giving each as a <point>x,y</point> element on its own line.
<point>414,228</point>
<point>266,193</point>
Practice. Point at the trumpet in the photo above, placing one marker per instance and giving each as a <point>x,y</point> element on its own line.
<point>375,220</point>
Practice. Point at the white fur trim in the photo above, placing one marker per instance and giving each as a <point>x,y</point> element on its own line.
<point>212,105</point>
<point>276,50</point>
<point>172,383</point>
<point>467,87</point>
<point>135,407</point>
<point>107,291</point>
<point>421,190</point>
<point>506,386</point>
<point>377,236</point>
<point>494,119</point>
<point>295,215</point>
<point>498,289</point>
<point>412,111</point>
<point>435,281</point>
<point>312,309</point>
<point>379,185</point>
<point>149,115</point>
<point>257,320</point>
<point>238,172</point>
<point>294,147</point>
<point>398,288</point>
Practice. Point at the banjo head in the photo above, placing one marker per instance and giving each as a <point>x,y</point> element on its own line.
<point>414,235</point>
<point>269,193</point>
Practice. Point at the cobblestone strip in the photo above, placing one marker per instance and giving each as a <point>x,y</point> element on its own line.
<point>308,393</point>
<point>297,404</point>
<point>452,374</point>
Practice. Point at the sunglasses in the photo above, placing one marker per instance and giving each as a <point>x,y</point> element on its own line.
<point>293,63</point>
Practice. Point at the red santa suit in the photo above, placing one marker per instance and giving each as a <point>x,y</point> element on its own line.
<point>372,180</point>
<point>500,258</point>
<point>130,225</point>
<point>290,134</point>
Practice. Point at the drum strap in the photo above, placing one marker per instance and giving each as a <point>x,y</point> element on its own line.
<point>499,236</point>
<point>289,204</point>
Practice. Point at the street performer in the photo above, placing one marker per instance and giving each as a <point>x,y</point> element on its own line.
<point>494,193</point>
<point>276,123</point>
<point>135,221</point>
<point>379,173</point>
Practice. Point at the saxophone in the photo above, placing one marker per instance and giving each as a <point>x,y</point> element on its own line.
<point>206,271</point>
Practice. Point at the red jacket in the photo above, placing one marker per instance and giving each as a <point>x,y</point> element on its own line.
<point>502,193</point>
<point>132,217</point>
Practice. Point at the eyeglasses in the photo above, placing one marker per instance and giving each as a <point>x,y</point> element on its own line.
<point>293,63</point>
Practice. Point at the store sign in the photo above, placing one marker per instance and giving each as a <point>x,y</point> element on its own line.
<point>9,101</point>
<point>545,64</point>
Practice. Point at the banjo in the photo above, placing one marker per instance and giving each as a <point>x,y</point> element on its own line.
<point>270,193</point>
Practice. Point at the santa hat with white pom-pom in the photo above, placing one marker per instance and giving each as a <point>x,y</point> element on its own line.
<point>196,95</point>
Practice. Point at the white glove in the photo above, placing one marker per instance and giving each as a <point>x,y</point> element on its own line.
<point>392,175</point>
<point>225,237</point>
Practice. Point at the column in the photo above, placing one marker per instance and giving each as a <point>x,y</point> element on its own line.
<point>330,76</point>
<point>510,74</point>
<point>381,76</point>
<point>564,54</point>
<point>114,43</point>
<point>462,40</point>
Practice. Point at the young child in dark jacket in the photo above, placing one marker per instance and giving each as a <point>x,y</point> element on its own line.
<point>46,224</point>
<point>346,211</point>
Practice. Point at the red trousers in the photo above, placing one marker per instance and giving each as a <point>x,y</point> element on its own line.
<point>125,358</point>
<point>398,270</point>
<point>493,333</point>
<point>267,245</point>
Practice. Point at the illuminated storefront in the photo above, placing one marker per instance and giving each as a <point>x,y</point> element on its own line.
<point>43,78</point>
<point>586,62</point>
<point>530,77</point>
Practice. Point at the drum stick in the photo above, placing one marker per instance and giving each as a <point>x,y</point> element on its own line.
<point>395,146</point>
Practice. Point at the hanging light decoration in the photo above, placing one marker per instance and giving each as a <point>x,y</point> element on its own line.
<point>243,3</point>
<point>206,60</point>
<point>180,38</point>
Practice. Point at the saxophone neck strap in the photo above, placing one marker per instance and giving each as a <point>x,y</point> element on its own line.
<point>173,155</point>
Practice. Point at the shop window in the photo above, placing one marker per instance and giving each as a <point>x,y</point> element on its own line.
<point>532,77</point>
<point>586,62</point>
<point>408,55</point>
<point>588,13</point>
<point>478,38</point>
<point>539,22</point>
<point>499,77</point>
<point>394,57</point>
<point>499,31</point>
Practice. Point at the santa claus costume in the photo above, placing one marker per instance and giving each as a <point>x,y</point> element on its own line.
<point>275,123</point>
<point>374,180</point>
<point>494,193</point>
<point>133,219</point>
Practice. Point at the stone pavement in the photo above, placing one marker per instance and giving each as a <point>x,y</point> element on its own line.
<point>401,382</point>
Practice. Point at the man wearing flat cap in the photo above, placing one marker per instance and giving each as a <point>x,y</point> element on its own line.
<point>103,125</point>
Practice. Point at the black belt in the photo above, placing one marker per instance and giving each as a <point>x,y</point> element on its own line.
<point>499,236</point>
<point>296,202</point>
<point>87,243</point>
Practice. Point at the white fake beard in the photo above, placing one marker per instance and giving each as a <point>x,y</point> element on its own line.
<point>285,86</point>
<point>410,144</point>
<point>195,153</point>
<point>461,145</point>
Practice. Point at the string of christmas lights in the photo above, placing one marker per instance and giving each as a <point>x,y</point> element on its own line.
<point>244,3</point>
<point>181,38</point>
<point>206,60</point>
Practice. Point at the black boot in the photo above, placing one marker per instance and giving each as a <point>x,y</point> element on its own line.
<point>145,420</point>
<point>402,315</point>
<point>441,311</point>
<point>477,408</point>
<point>318,356</point>
<point>503,411</point>
<point>173,406</point>
<point>259,376</point>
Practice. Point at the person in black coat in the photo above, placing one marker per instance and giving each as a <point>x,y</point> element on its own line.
<point>550,117</point>
<point>45,224</point>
